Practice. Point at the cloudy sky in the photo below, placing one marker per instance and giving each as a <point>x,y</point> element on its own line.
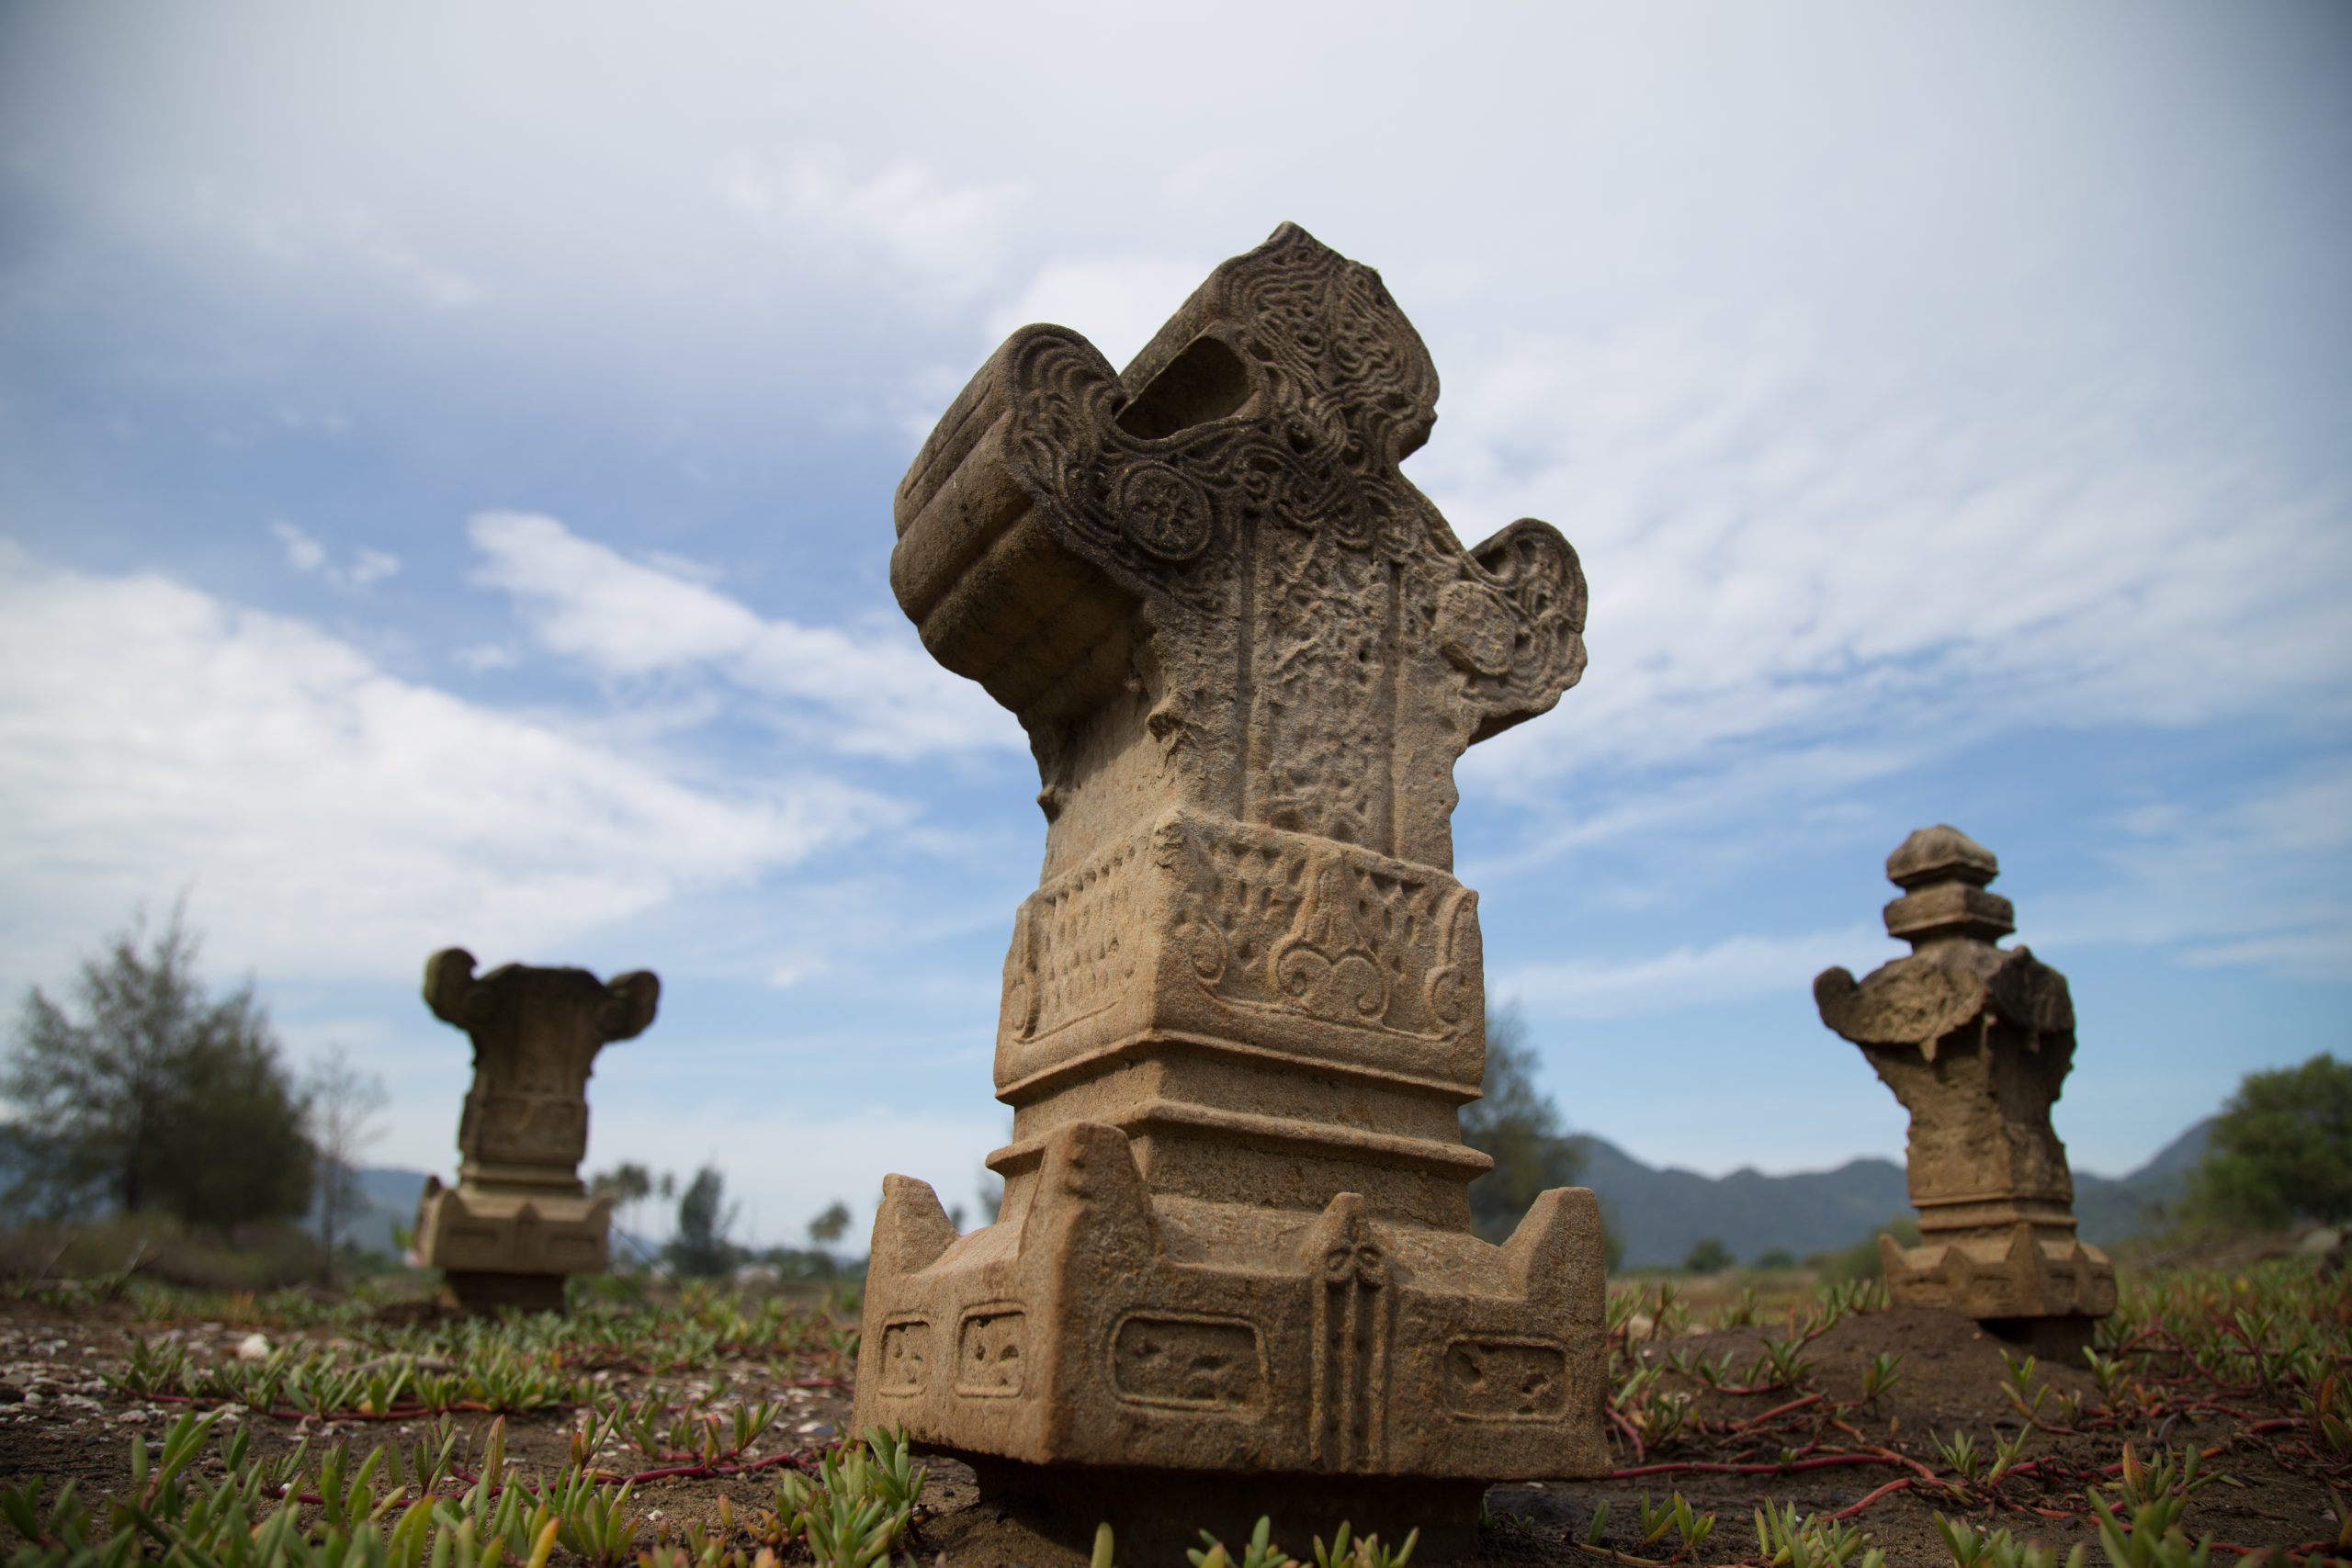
<point>446,455</point>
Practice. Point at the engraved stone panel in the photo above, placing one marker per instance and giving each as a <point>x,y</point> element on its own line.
<point>989,1353</point>
<point>906,1355</point>
<point>1187,1362</point>
<point>1505,1380</point>
<point>1074,960</point>
<point>1281,922</point>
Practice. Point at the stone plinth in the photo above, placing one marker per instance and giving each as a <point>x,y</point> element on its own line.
<point>1975,1040</point>
<point>519,1220</point>
<point>1245,1004</point>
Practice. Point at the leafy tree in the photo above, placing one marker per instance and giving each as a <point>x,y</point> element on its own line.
<point>155,1096</point>
<point>241,1150</point>
<point>2280,1150</point>
<point>343,1105</point>
<point>1518,1126</point>
<point>700,1247</point>
<point>628,1184</point>
<point>1709,1257</point>
<point>829,1226</point>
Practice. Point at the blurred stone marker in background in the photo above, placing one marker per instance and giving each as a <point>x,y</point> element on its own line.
<point>1975,1040</point>
<point>1234,1272</point>
<point>519,1220</point>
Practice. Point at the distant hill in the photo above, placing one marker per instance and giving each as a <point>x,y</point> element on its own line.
<point>1662,1214</point>
<point>2113,1210</point>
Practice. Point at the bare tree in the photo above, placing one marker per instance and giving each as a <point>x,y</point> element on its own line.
<point>344,1103</point>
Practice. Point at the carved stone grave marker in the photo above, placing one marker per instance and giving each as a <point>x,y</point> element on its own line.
<point>1234,1272</point>
<point>1975,1040</point>
<point>518,1222</point>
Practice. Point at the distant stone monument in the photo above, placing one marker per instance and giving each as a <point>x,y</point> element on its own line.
<point>1234,1272</point>
<point>518,1222</point>
<point>1975,1040</point>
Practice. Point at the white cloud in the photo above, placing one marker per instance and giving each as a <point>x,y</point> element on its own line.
<point>303,553</point>
<point>791,972</point>
<point>1730,970</point>
<point>480,658</point>
<point>1783,554</point>
<point>334,239</point>
<point>948,235</point>
<point>2251,882</point>
<point>368,565</point>
<point>308,557</point>
<point>331,820</point>
<point>2324,954</point>
<point>882,695</point>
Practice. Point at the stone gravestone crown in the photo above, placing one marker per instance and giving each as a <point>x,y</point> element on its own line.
<point>518,1222</point>
<point>1245,1004</point>
<point>1975,1040</point>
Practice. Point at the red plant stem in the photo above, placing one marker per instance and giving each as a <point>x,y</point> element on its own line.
<point>1924,1473</point>
<point>1901,1482</point>
<point>1822,1461</point>
<point>702,1469</point>
<point>1633,1434</point>
<point>1776,1410</point>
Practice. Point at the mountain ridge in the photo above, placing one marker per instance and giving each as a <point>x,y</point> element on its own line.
<point>1664,1212</point>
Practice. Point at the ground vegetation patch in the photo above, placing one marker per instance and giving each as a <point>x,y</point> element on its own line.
<point>1756,1422</point>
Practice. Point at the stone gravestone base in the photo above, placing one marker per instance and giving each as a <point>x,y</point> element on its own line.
<point>486,1294</point>
<point>2055,1341</point>
<point>510,1248</point>
<point>1261,1360</point>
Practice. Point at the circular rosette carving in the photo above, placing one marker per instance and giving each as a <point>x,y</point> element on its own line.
<point>1476,628</point>
<point>1166,512</point>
